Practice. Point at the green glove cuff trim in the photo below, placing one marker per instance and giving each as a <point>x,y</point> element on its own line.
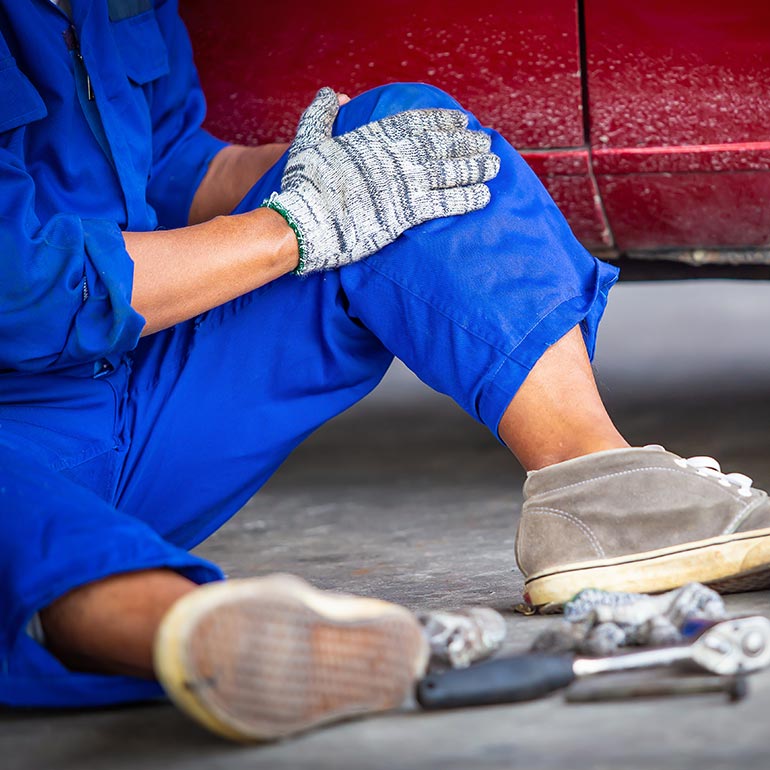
<point>273,203</point>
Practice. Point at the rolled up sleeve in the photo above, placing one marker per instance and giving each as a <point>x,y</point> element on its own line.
<point>65,284</point>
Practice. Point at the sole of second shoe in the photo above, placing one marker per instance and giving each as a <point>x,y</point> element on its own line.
<point>261,659</point>
<point>729,564</point>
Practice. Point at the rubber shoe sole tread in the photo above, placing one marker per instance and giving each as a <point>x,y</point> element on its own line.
<point>265,658</point>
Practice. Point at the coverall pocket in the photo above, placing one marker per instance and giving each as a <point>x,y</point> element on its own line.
<point>141,46</point>
<point>20,103</point>
<point>88,462</point>
<point>57,451</point>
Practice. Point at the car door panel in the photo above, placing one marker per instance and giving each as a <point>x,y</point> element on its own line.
<point>680,121</point>
<point>516,66</point>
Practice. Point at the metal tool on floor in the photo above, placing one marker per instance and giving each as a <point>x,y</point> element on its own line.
<point>727,647</point>
<point>615,688</point>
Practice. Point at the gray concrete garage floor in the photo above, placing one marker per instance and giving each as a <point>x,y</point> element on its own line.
<point>406,498</point>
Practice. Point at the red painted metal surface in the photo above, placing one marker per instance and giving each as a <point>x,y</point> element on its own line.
<point>704,159</point>
<point>516,67</point>
<point>669,211</point>
<point>679,116</point>
<point>566,174</point>
<point>679,112</point>
<point>664,73</point>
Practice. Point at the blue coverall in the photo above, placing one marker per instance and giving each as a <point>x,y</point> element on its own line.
<point>119,454</point>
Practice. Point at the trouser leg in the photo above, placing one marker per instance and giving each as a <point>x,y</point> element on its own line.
<point>468,303</point>
<point>55,536</point>
<point>214,405</point>
<point>471,303</point>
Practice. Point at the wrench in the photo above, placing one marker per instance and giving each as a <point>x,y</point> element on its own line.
<point>735,646</point>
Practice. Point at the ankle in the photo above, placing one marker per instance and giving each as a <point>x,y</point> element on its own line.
<point>559,452</point>
<point>108,626</point>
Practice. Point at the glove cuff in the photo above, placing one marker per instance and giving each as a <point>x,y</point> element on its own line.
<point>274,203</point>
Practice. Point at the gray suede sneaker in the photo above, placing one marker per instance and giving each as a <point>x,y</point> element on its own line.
<point>641,519</point>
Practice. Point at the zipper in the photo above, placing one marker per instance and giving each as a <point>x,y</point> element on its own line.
<point>65,8</point>
<point>73,45</point>
<point>86,94</point>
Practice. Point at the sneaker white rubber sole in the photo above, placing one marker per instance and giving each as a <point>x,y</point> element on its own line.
<point>728,563</point>
<point>264,658</point>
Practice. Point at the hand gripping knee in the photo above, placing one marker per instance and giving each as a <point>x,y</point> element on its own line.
<point>348,196</point>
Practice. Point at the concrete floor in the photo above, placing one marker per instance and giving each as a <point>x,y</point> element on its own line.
<point>406,498</point>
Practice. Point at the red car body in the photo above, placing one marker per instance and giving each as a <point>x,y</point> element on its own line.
<point>649,123</point>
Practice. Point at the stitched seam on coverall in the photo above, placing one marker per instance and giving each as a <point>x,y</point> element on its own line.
<point>509,355</point>
<point>462,326</point>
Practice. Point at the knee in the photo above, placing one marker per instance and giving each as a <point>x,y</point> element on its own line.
<point>397,97</point>
<point>390,99</point>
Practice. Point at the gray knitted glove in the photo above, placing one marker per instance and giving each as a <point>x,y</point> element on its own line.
<point>348,196</point>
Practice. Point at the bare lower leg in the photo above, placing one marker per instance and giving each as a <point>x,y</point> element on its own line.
<point>558,413</point>
<point>108,626</point>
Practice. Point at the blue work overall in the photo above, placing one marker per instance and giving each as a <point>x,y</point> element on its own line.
<point>119,453</point>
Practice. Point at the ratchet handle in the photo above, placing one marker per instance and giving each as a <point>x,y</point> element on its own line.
<point>503,680</point>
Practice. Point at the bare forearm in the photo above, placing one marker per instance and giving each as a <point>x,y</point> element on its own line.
<point>179,274</point>
<point>232,173</point>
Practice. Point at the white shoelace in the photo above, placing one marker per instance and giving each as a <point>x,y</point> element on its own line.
<point>708,466</point>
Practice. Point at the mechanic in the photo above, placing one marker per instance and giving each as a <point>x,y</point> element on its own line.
<point>178,314</point>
